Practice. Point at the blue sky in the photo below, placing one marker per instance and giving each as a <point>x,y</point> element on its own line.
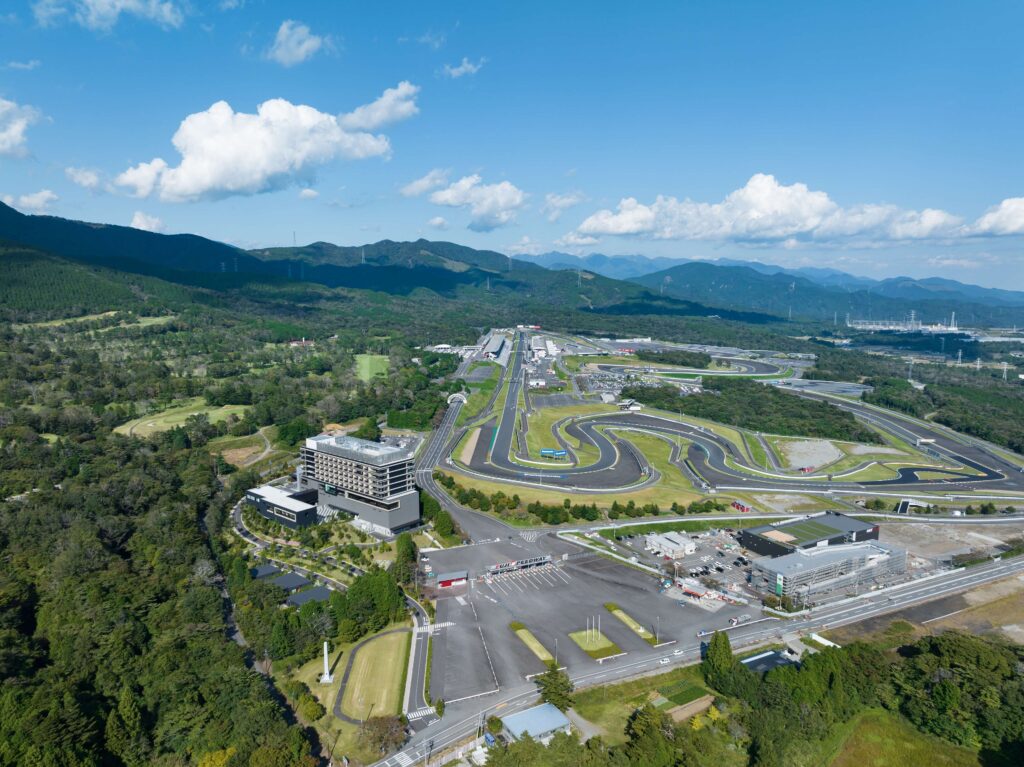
<point>880,138</point>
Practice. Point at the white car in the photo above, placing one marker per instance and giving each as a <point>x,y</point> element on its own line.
<point>678,652</point>
<point>664,662</point>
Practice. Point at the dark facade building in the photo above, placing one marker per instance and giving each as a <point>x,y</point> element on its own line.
<point>292,507</point>
<point>828,529</point>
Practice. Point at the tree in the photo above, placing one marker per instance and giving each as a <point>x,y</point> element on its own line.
<point>718,660</point>
<point>369,430</point>
<point>383,733</point>
<point>556,687</point>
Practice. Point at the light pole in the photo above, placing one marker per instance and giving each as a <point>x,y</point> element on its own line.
<point>657,632</point>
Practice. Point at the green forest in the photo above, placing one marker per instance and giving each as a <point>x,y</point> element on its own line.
<point>676,357</point>
<point>963,689</point>
<point>751,405</point>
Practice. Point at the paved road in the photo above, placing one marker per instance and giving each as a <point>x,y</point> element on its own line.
<point>462,721</point>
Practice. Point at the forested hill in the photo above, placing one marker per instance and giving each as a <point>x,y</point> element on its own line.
<point>744,288</point>
<point>398,268</point>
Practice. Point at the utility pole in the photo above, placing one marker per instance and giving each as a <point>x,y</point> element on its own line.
<point>959,357</point>
<point>1004,370</point>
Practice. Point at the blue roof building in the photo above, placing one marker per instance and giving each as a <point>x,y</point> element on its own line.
<point>540,723</point>
<point>315,594</point>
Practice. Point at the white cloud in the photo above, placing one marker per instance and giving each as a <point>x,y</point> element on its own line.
<point>398,103</point>
<point>36,202</point>
<point>294,44</point>
<point>438,222</point>
<point>556,204</point>
<point>766,211</point>
<point>15,120</point>
<point>24,66</point>
<point>467,67</point>
<point>226,153</point>
<point>1005,218</point>
<point>435,178</point>
<point>84,177</point>
<point>146,223</point>
<point>104,14</point>
<point>432,40</point>
<point>491,205</point>
<point>308,194</point>
<point>575,240</point>
<point>525,246</point>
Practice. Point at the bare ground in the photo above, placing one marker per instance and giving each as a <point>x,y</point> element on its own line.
<point>809,452</point>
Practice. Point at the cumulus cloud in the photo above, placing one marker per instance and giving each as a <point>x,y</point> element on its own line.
<point>398,103</point>
<point>1005,218</point>
<point>490,205</point>
<point>575,240</point>
<point>556,204</point>
<point>766,211</point>
<point>104,14</point>
<point>467,67</point>
<point>435,178</point>
<point>438,222</point>
<point>24,66</point>
<point>525,246</point>
<point>308,194</point>
<point>146,223</point>
<point>36,202</point>
<point>294,44</point>
<point>83,177</point>
<point>15,120</point>
<point>225,153</point>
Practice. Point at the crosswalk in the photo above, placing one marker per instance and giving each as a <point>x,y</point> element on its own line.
<point>530,535</point>
<point>432,627</point>
<point>420,713</point>
<point>402,759</point>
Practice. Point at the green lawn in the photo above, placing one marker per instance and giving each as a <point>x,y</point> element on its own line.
<point>635,627</point>
<point>682,692</point>
<point>176,416</point>
<point>882,739</point>
<point>531,641</point>
<point>479,393</point>
<point>693,525</point>
<point>595,644</point>
<point>370,365</point>
<point>541,422</point>
<point>375,682</point>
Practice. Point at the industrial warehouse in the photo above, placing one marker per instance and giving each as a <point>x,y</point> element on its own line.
<point>827,529</point>
<point>806,572</point>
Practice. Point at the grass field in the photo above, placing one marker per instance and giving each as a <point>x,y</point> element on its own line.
<point>694,525</point>
<point>635,627</point>
<point>682,692</point>
<point>882,739</point>
<point>176,416</point>
<point>376,677</point>
<point>370,365</point>
<point>531,641</point>
<point>609,706</point>
<point>65,321</point>
<point>595,644</point>
<point>479,393</point>
<point>540,435</point>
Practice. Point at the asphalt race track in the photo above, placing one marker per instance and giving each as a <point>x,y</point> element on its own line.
<point>620,466</point>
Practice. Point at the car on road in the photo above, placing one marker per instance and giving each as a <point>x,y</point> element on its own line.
<point>678,652</point>
<point>663,662</point>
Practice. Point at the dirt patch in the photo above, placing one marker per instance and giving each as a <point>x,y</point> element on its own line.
<point>809,452</point>
<point>691,709</point>
<point>995,607</point>
<point>935,541</point>
<point>466,454</point>
<point>784,503</point>
<point>239,455</point>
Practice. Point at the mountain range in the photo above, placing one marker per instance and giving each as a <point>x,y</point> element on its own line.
<point>633,284</point>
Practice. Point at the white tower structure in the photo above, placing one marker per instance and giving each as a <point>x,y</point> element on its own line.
<point>326,677</point>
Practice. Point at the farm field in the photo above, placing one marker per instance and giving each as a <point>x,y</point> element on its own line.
<point>176,416</point>
<point>370,365</point>
<point>376,678</point>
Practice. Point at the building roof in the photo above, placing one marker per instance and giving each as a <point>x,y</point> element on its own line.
<point>290,581</point>
<point>264,571</point>
<point>280,498</point>
<point>454,575</point>
<point>538,721</point>
<point>315,594</point>
<point>808,559</point>
<point>766,661</point>
<point>363,450</point>
<point>799,532</point>
<point>494,344</point>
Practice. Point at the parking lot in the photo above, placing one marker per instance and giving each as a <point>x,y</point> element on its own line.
<point>475,650</point>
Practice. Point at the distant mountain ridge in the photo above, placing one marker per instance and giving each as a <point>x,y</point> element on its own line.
<point>635,267</point>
